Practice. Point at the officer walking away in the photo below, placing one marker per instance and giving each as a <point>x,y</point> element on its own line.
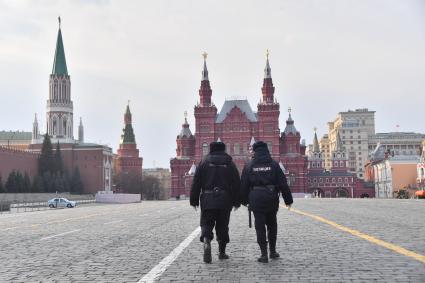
<point>261,182</point>
<point>216,186</point>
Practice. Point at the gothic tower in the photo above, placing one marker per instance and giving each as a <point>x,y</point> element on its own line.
<point>268,113</point>
<point>315,159</point>
<point>81,132</point>
<point>128,162</point>
<point>59,105</point>
<point>205,115</point>
<point>35,131</point>
<point>339,156</point>
<point>185,141</point>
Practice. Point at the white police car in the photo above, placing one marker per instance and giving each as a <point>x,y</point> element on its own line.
<point>61,202</point>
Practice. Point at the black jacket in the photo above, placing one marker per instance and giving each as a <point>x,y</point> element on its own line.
<point>262,171</point>
<point>216,170</point>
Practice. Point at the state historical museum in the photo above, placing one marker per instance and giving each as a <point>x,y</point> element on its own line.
<point>238,126</point>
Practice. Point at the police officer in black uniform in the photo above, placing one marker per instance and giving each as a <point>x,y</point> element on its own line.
<point>261,182</point>
<point>216,185</point>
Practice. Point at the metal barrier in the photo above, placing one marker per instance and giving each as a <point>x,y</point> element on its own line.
<point>7,207</point>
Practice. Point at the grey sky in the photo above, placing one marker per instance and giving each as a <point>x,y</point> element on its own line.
<point>326,56</point>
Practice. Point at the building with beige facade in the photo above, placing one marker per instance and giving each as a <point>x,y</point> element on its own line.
<point>391,173</point>
<point>354,127</point>
<point>326,151</point>
<point>398,143</point>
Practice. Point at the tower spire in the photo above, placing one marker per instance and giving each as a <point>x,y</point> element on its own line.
<point>81,131</point>
<point>205,91</point>
<point>338,143</point>
<point>268,88</point>
<point>267,70</point>
<point>59,63</point>
<point>316,147</point>
<point>205,71</point>
<point>127,136</point>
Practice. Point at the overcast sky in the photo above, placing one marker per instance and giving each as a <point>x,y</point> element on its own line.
<point>326,57</point>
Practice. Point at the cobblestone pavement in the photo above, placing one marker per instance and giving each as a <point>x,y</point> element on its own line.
<point>122,243</point>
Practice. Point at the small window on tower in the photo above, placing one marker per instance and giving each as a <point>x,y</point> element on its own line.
<point>236,149</point>
<point>204,149</point>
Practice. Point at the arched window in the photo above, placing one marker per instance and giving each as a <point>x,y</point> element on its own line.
<point>204,149</point>
<point>64,126</point>
<point>236,149</point>
<point>55,126</point>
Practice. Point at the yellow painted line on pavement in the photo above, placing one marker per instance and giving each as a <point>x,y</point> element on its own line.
<point>364,236</point>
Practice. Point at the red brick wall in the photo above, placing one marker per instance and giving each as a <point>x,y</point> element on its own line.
<point>20,160</point>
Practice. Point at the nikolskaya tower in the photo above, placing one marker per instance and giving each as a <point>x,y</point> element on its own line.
<point>59,114</point>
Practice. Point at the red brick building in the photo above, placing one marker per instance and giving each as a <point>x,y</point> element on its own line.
<point>238,126</point>
<point>338,181</point>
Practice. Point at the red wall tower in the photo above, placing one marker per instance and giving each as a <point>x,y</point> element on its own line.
<point>128,160</point>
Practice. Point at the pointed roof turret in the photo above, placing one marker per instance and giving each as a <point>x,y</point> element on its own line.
<point>81,131</point>
<point>338,143</point>
<point>192,169</point>
<point>252,141</point>
<point>267,69</point>
<point>316,147</point>
<point>59,63</point>
<point>205,91</point>
<point>290,128</point>
<point>268,88</point>
<point>128,133</point>
<point>205,70</point>
<point>127,115</point>
<point>185,131</point>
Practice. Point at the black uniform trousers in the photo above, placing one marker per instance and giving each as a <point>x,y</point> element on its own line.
<point>263,219</point>
<point>218,218</point>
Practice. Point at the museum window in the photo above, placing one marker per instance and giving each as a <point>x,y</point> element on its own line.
<point>236,149</point>
<point>204,149</point>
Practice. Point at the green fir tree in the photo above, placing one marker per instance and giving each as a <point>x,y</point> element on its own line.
<point>27,183</point>
<point>1,186</point>
<point>59,168</point>
<point>11,186</point>
<point>76,183</point>
<point>46,161</point>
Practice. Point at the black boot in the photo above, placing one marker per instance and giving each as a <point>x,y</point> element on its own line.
<point>207,250</point>
<point>222,251</point>
<point>273,253</point>
<point>263,258</point>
